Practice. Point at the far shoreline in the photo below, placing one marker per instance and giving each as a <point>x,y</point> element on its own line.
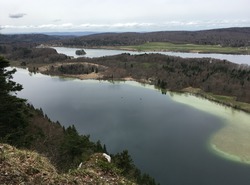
<point>190,90</point>
<point>136,48</point>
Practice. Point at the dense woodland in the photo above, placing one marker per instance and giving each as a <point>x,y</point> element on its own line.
<point>167,72</point>
<point>235,37</point>
<point>28,38</point>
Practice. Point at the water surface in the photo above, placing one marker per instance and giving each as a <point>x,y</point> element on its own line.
<point>166,138</point>
<point>239,59</point>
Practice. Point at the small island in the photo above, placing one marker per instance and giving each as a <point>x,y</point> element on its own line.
<point>80,52</point>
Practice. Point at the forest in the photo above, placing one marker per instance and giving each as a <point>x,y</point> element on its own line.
<point>235,37</point>
<point>175,73</point>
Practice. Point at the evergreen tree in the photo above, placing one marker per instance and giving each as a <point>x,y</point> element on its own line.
<point>6,84</point>
<point>12,109</point>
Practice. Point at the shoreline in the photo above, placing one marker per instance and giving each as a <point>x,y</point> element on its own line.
<point>127,48</point>
<point>211,97</point>
<point>190,90</point>
<point>232,103</point>
<point>232,139</point>
<point>212,144</point>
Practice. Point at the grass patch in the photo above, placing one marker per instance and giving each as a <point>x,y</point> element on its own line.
<point>231,101</point>
<point>225,100</point>
<point>166,46</point>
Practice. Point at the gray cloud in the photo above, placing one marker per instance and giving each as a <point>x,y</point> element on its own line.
<point>17,15</point>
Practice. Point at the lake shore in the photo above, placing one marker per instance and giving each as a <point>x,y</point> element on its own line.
<point>143,69</point>
<point>230,142</point>
<point>221,138</point>
<point>168,47</point>
<point>220,142</point>
<point>228,101</point>
<point>186,48</point>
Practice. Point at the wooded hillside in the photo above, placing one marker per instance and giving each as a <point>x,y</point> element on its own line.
<point>235,37</point>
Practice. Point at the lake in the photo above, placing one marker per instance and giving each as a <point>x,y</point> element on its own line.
<point>168,136</point>
<point>239,59</point>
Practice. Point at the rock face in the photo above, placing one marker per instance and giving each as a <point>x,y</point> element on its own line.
<point>80,52</point>
<point>26,167</point>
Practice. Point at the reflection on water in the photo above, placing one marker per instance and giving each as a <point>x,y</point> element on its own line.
<point>165,138</point>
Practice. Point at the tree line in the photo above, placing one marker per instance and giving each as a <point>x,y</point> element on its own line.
<point>234,37</point>
<point>168,72</point>
<point>175,73</point>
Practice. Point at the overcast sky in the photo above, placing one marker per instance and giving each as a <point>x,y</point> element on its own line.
<point>22,16</point>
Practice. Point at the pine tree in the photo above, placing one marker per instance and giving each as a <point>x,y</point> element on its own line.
<point>12,109</point>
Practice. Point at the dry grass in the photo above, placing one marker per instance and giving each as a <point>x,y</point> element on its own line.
<point>20,166</point>
<point>27,167</point>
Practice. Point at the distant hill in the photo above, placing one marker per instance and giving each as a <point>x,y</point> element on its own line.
<point>28,38</point>
<point>69,33</point>
<point>40,37</point>
<point>235,37</point>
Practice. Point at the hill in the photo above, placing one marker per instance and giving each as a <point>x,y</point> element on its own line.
<point>69,33</point>
<point>28,38</point>
<point>235,37</point>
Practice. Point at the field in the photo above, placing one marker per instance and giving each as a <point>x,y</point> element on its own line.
<point>195,48</point>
